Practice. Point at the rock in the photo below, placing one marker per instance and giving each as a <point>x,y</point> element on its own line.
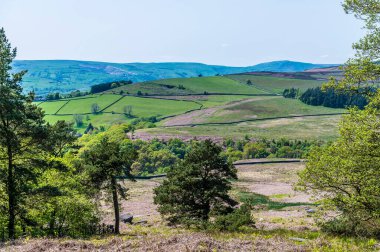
<point>140,222</point>
<point>297,239</point>
<point>310,210</point>
<point>127,218</point>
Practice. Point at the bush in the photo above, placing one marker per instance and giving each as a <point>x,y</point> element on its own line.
<point>234,221</point>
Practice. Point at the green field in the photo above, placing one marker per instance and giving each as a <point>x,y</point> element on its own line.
<point>275,84</point>
<point>83,106</point>
<point>322,128</point>
<point>268,107</point>
<point>197,85</point>
<point>51,107</point>
<point>145,107</point>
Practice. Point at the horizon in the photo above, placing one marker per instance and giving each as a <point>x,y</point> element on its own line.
<point>211,32</point>
<point>177,62</point>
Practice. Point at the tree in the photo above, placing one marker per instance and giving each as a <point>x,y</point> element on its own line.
<point>95,108</point>
<point>128,110</point>
<point>346,174</point>
<point>107,157</point>
<point>78,120</point>
<point>27,143</point>
<point>197,188</point>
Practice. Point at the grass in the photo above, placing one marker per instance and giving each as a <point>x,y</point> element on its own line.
<point>51,107</point>
<point>254,199</point>
<point>268,107</point>
<point>322,128</point>
<point>215,84</point>
<point>82,106</point>
<point>145,107</point>
<point>197,85</point>
<point>275,84</point>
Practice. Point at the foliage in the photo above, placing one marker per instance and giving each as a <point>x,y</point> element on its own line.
<point>262,148</point>
<point>78,120</point>
<point>234,221</point>
<point>95,108</point>
<point>108,85</point>
<point>154,161</point>
<point>292,93</point>
<point>128,110</point>
<point>106,157</point>
<point>53,96</point>
<point>329,97</point>
<point>28,145</point>
<point>197,188</point>
<point>346,172</point>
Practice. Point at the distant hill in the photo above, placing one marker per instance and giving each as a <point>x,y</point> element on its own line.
<point>46,76</point>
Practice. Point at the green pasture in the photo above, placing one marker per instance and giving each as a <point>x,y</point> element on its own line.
<point>51,107</point>
<point>268,107</point>
<point>321,128</point>
<point>82,106</point>
<point>145,107</point>
<point>275,84</point>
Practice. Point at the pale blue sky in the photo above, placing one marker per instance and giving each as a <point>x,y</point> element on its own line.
<point>226,32</point>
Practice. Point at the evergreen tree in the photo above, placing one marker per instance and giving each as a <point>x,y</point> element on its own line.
<point>197,188</point>
<point>26,141</point>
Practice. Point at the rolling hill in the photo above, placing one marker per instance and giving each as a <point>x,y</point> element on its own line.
<point>64,76</point>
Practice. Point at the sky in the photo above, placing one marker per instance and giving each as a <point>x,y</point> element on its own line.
<point>221,32</point>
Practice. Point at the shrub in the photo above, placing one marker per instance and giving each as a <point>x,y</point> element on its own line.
<point>234,221</point>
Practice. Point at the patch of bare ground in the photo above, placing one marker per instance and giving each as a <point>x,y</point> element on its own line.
<point>183,242</point>
<point>276,181</point>
<point>272,180</point>
<point>201,116</point>
<point>184,137</point>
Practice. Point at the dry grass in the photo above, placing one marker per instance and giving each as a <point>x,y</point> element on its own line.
<point>284,229</point>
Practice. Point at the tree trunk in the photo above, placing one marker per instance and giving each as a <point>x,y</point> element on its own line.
<point>115,206</point>
<point>11,197</point>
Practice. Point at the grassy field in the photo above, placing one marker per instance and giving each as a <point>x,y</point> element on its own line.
<point>267,107</point>
<point>51,107</point>
<point>83,106</point>
<point>145,107</point>
<point>322,128</point>
<point>197,85</point>
<point>275,84</point>
<point>141,107</point>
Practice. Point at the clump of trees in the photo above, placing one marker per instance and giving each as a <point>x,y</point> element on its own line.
<point>53,96</point>
<point>108,85</point>
<point>292,93</point>
<point>332,98</point>
<point>263,148</point>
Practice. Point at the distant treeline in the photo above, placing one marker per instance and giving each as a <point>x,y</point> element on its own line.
<point>108,85</point>
<point>327,98</point>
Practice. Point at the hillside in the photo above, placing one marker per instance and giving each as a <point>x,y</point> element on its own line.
<point>217,107</point>
<point>46,76</point>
